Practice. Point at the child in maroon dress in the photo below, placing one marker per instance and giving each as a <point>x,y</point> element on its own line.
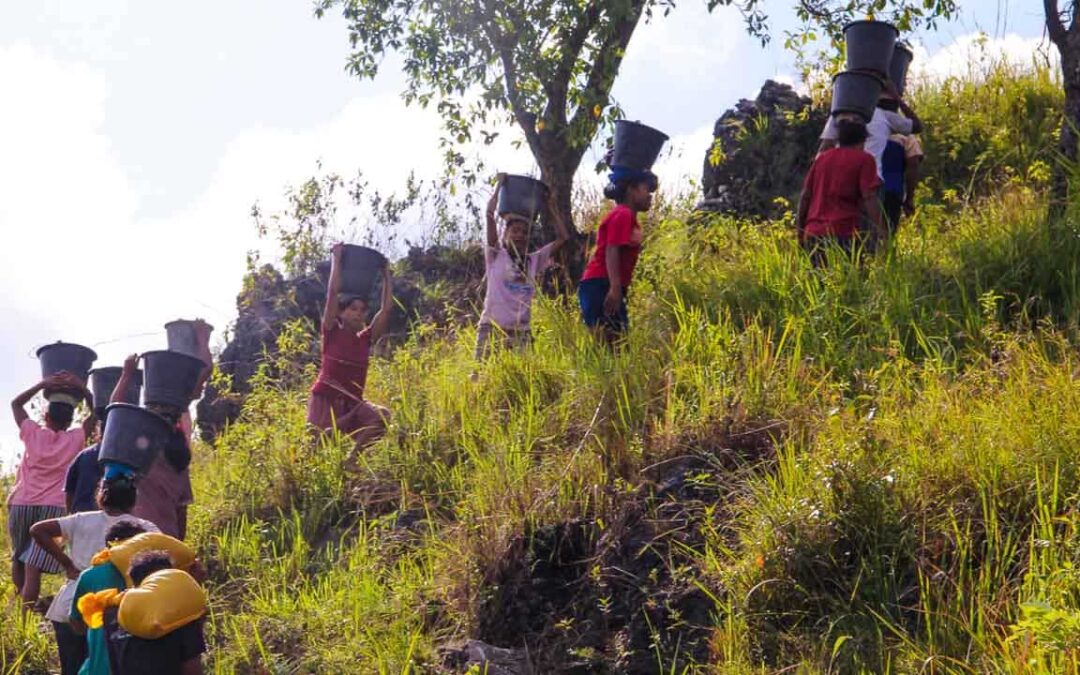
<point>337,397</point>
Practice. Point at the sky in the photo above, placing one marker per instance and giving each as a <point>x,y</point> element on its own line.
<point>135,136</point>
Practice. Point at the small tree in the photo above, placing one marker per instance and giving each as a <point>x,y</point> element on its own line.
<point>1063,27</point>
<point>547,65</point>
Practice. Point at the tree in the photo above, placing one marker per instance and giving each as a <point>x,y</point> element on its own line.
<point>546,65</point>
<point>1063,27</point>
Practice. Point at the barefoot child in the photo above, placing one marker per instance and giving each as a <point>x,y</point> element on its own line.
<point>337,397</point>
<point>511,277</point>
<point>39,481</point>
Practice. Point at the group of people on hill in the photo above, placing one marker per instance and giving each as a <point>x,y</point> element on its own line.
<point>863,179</point>
<point>69,508</point>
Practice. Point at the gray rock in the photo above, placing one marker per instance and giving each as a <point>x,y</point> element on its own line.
<point>488,658</point>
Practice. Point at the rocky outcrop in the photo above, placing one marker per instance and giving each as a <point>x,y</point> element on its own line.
<point>761,151</point>
<point>439,285</point>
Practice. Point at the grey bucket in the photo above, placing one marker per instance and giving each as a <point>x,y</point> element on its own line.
<point>898,68</point>
<point>856,93</point>
<point>65,356</point>
<point>133,437</point>
<point>523,196</point>
<point>103,381</point>
<point>169,378</point>
<point>361,271</point>
<point>869,45</point>
<point>636,146</point>
<point>182,337</point>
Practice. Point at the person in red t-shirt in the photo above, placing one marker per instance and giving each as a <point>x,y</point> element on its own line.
<point>841,187</point>
<point>337,397</point>
<point>604,285</point>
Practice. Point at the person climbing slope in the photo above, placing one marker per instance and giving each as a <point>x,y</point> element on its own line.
<point>893,116</point>
<point>39,480</point>
<point>840,188</point>
<point>337,396</point>
<point>84,534</point>
<point>512,273</point>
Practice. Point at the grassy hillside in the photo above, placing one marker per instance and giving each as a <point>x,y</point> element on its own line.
<point>867,468</point>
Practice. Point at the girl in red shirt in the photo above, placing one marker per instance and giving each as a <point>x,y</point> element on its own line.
<point>337,397</point>
<point>604,285</point>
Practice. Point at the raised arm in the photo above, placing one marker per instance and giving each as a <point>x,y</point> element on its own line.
<point>382,318</point>
<point>202,329</point>
<point>127,374</point>
<point>330,309</point>
<point>18,404</point>
<point>492,219</point>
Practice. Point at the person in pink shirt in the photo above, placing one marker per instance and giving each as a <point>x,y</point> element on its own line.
<point>337,397</point>
<point>511,277</point>
<point>38,493</point>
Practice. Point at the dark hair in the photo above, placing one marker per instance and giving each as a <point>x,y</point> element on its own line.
<point>123,530</point>
<point>890,104</point>
<point>117,493</point>
<point>146,563</point>
<point>60,413</point>
<point>850,132</point>
<point>616,190</point>
<point>346,299</point>
<point>169,413</point>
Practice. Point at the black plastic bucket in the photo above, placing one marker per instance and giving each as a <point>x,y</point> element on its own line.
<point>65,356</point>
<point>133,437</point>
<point>103,383</point>
<point>522,196</point>
<point>636,145</point>
<point>856,93</point>
<point>898,69</point>
<point>361,271</point>
<point>169,378</point>
<point>183,337</point>
<point>869,45</point>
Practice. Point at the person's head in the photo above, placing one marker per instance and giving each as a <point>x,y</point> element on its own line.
<point>353,311</point>
<point>169,413</point>
<point>850,131</point>
<point>58,415</point>
<point>116,492</point>
<point>146,563</point>
<point>122,531</point>
<point>887,102</point>
<point>516,234</point>
<point>632,188</point>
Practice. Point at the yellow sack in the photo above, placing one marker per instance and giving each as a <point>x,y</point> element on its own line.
<point>121,554</point>
<point>165,601</point>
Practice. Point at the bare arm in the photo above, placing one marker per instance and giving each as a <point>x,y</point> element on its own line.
<point>911,181</point>
<point>181,521</point>
<point>18,404</point>
<point>804,211</point>
<point>614,295</point>
<point>386,308</point>
<point>916,123</point>
<point>492,221</point>
<point>330,309</point>
<point>45,533</point>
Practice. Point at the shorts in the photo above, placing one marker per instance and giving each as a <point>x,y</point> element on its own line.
<point>489,337</point>
<point>591,294</point>
<point>23,547</point>
<point>330,411</point>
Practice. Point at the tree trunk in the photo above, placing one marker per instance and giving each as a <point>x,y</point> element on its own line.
<point>1070,123</point>
<point>558,164</point>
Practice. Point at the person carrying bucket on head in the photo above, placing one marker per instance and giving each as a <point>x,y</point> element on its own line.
<point>83,535</point>
<point>39,479</point>
<point>605,283</point>
<point>511,271</point>
<point>337,396</point>
<point>840,189</point>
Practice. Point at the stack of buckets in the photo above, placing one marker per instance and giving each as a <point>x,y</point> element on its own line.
<point>873,54</point>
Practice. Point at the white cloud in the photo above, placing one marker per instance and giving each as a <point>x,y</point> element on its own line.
<point>972,54</point>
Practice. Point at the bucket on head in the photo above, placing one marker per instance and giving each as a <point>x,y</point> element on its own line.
<point>898,69</point>
<point>869,45</point>
<point>856,93</point>
<point>636,145</point>
<point>103,382</point>
<point>65,356</point>
<point>169,378</point>
<point>133,437</point>
<point>522,196</point>
<point>183,337</point>
<point>361,271</point>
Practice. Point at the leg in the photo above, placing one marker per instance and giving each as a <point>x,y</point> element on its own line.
<point>18,574</point>
<point>31,587</point>
<point>370,422</point>
<point>483,341</point>
<point>72,648</point>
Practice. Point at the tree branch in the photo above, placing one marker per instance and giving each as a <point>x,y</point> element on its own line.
<point>1054,27</point>
<point>526,119</point>
<point>573,42</point>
